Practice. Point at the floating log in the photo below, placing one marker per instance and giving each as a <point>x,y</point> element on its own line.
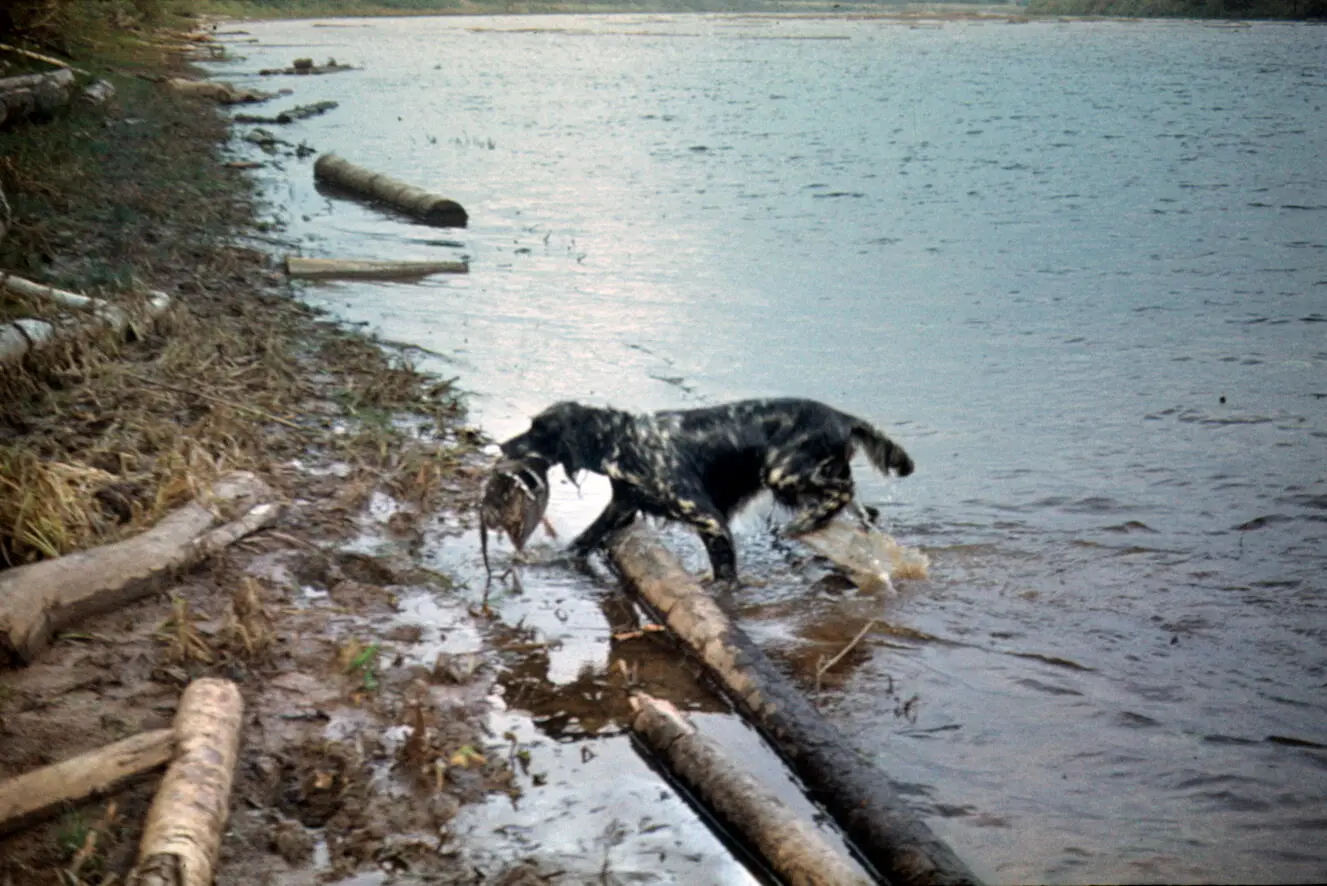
<point>22,336</point>
<point>428,208</point>
<point>35,95</point>
<point>858,795</point>
<point>355,269</point>
<point>41,598</point>
<point>221,93</point>
<point>794,849</point>
<point>188,815</point>
<point>299,112</point>
<point>35,795</point>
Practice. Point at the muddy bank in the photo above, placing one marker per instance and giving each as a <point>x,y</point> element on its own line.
<point>358,749</point>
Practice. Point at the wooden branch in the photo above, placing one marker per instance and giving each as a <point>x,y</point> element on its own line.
<point>858,795</point>
<point>34,795</point>
<point>188,816</point>
<point>50,60</point>
<point>428,208</point>
<point>796,850</point>
<point>42,598</point>
<point>354,269</point>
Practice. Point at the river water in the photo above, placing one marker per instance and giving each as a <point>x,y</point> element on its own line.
<point>1078,269</point>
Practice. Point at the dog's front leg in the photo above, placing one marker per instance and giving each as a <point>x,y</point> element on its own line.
<point>619,513</point>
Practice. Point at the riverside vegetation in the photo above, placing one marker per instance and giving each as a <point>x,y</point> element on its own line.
<point>99,438</point>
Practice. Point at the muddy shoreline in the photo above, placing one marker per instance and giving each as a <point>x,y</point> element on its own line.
<point>361,742</point>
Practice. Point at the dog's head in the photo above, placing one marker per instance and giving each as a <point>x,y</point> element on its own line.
<point>566,433</point>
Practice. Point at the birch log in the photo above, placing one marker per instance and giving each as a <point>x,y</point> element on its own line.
<point>34,795</point>
<point>20,337</point>
<point>858,795</point>
<point>793,847</point>
<point>188,815</point>
<point>38,600</point>
<point>428,208</point>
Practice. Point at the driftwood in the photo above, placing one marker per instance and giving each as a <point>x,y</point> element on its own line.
<point>22,336</point>
<point>355,269</point>
<point>34,795</point>
<point>221,93</point>
<point>858,796</point>
<point>35,95</point>
<point>299,112</point>
<point>188,816</point>
<point>39,599</point>
<point>428,208</point>
<point>306,67</point>
<point>794,849</point>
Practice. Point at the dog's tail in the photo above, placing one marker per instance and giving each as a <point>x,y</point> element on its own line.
<point>883,452</point>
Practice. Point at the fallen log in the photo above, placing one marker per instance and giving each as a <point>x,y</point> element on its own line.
<point>428,208</point>
<point>354,269</point>
<point>35,95</point>
<point>22,336</point>
<point>299,112</point>
<point>39,599</point>
<point>188,815</point>
<point>794,849</point>
<point>35,795</point>
<point>855,793</point>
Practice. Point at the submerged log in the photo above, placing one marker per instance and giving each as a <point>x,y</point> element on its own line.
<point>39,599</point>
<point>305,67</point>
<point>794,848</point>
<point>355,269</point>
<point>188,816</point>
<point>428,208</point>
<point>299,112</point>
<point>35,95</point>
<point>34,795</point>
<point>860,798</point>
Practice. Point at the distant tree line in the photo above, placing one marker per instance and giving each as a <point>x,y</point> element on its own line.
<point>1229,9</point>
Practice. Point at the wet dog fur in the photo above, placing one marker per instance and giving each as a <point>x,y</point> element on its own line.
<point>699,466</point>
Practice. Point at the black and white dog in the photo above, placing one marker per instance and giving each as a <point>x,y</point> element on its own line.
<point>699,466</point>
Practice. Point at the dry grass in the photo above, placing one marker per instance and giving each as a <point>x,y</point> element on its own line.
<point>99,439</point>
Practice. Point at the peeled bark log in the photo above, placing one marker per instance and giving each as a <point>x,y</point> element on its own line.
<point>38,600</point>
<point>34,95</point>
<point>188,816</point>
<point>354,269</point>
<point>858,795</point>
<point>428,208</point>
<point>29,797</point>
<point>794,849</point>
